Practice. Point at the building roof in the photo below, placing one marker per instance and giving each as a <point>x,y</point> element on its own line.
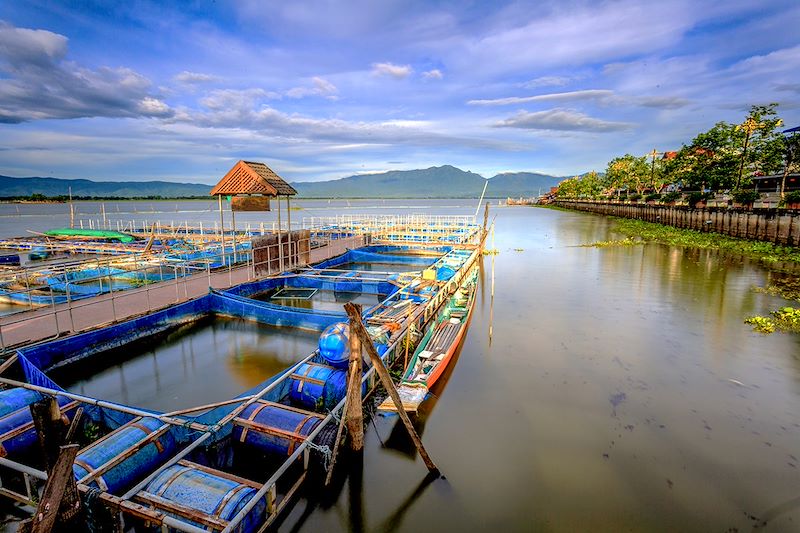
<point>250,177</point>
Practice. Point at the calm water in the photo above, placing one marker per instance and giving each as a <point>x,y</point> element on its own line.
<point>322,300</point>
<point>608,398</point>
<point>20,219</point>
<point>619,390</point>
<point>211,360</point>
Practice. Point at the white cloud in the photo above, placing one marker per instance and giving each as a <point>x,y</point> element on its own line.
<point>546,81</point>
<point>320,87</point>
<point>434,74</point>
<point>40,84</point>
<point>190,78</point>
<point>390,69</point>
<point>560,120</point>
<point>588,94</point>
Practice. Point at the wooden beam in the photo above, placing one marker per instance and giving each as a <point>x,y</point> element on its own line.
<point>357,328</point>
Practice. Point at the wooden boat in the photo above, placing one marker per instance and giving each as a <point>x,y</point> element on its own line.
<point>437,347</point>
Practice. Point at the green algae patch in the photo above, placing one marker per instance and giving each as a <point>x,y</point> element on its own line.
<point>785,319</point>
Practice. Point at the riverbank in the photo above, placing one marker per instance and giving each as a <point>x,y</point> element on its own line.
<point>638,231</point>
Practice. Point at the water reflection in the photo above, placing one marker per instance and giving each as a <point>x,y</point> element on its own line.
<point>209,360</point>
<point>703,431</point>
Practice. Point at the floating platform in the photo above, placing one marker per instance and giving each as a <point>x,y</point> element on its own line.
<point>237,463</point>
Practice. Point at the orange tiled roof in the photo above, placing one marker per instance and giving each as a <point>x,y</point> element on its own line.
<point>249,177</point>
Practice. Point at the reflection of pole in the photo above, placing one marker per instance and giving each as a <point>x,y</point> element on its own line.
<point>491,299</point>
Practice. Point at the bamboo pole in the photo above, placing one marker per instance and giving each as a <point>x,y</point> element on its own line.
<point>357,329</point>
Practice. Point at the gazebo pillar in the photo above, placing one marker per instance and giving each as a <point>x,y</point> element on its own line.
<point>280,238</point>
<point>233,227</point>
<point>221,227</point>
<point>289,223</point>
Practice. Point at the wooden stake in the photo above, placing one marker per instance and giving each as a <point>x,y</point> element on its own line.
<point>355,413</point>
<point>49,429</point>
<point>336,444</point>
<point>357,328</point>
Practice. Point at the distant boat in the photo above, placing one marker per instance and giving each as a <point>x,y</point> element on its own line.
<point>436,349</point>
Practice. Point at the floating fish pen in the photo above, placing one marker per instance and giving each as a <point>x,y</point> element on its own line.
<point>225,465</point>
<point>50,285</point>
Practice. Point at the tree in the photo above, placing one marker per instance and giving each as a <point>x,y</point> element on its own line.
<point>762,146</point>
<point>791,149</point>
<point>629,172</point>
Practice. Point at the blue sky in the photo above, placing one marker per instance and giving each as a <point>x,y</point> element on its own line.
<point>320,89</point>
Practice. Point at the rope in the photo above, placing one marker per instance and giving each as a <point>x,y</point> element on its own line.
<point>99,518</point>
<point>324,450</point>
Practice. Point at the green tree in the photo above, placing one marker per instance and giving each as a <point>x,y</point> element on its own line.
<point>628,172</point>
<point>568,188</point>
<point>791,162</point>
<point>762,148</point>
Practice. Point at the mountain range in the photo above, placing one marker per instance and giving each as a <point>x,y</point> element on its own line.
<point>435,182</point>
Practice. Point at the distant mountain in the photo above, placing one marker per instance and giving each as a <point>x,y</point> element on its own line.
<point>127,189</point>
<point>512,184</point>
<point>435,182</point>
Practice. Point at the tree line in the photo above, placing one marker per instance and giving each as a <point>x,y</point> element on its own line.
<point>724,158</point>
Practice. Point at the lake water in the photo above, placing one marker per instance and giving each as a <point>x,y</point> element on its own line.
<point>602,389</point>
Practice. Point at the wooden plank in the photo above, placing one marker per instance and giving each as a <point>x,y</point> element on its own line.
<point>59,478</point>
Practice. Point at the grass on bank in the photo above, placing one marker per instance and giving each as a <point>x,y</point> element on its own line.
<point>636,231</point>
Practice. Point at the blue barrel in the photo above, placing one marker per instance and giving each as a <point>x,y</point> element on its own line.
<point>14,399</point>
<point>212,493</point>
<point>17,433</point>
<point>444,273</point>
<point>130,471</point>
<point>312,381</point>
<point>334,344</point>
<point>276,429</point>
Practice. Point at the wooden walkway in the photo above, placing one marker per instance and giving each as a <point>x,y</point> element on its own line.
<point>45,323</point>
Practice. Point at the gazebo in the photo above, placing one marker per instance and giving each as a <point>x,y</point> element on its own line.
<point>250,185</point>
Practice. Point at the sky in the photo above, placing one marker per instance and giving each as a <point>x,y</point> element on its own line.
<point>180,91</point>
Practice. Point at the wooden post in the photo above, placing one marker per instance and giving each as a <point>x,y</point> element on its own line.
<point>357,329</point>
<point>52,433</point>
<point>355,414</point>
<point>49,428</point>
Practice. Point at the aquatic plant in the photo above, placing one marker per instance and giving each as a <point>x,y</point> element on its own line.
<point>653,232</point>
<point>785,319</point>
